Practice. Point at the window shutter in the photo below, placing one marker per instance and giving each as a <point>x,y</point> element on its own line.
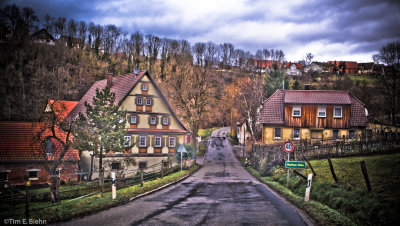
<point>163,141</point>
<point>137,141</point>
<point>157,120</point>
<point>152,102</point>
<point>137,119</point>
<point>152,141</point>
<point>149,120</point>
<point>148,141</point>
<point>169,120</point>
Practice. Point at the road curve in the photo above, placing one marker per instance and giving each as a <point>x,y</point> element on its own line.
<point>220,193</point>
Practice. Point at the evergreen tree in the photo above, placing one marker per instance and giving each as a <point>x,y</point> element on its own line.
<point>274,80</point>
<point>102,129</point>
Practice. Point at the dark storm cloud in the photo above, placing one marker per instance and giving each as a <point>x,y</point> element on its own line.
<point>355,26</point>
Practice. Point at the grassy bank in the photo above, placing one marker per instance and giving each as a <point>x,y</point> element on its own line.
<point>348,201</point>
<point>68,209</point>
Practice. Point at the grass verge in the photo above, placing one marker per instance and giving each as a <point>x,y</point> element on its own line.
<point>322,214</point>
<point>69,209</point>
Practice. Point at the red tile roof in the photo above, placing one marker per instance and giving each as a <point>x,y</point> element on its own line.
<point>357,112</point>
<point>349,64</point>
<point>19,142</point>
<point>317,97</point>
<point>122,85</point>
<point>265,63</point>
<point>273,108</point>
<point>61,108</point>
<point>298,65</point>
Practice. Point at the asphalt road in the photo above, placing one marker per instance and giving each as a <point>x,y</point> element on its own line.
<point>220,193</point>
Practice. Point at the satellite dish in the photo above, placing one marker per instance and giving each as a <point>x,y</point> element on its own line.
<point>136,71</point>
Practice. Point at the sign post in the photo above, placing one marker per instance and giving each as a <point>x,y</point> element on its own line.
<point>288,147</point>
<point>113,187</point>
<point>181,149</point>
<point>309,179</point>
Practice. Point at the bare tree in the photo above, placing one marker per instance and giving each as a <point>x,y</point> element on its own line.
<point>199,50</point>
<point>308,58</point>
<point>60,26</point>
<point>82,32</point>
<point>390,56</point>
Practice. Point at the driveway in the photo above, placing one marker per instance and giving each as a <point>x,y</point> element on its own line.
<point>220,193</point>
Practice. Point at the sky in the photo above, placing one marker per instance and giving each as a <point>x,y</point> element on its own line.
<point>350,30</point>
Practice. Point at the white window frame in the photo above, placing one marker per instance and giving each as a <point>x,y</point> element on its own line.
<point>147,103</point>
<point>139,100</point>
<point>296,108</point>
<point>127,138</point>
<point>33,170</point>
<point>159,139</point>
<point>171,140</point>
<point>322,110</point>
<point>133,121</point>
<point>142,139</point>
<point>341,112</point>
<point>145,87</point>
<point>153,122</point>
<point>296,138</point>
<point>275,137</point>
<point>165,122</point>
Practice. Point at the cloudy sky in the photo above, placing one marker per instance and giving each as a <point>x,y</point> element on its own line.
<point>330,29</point>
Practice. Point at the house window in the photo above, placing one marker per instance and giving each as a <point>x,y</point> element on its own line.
<point>337,112</point>
<point>33,174</point>
<point>133,119</point>
<point>335,134</point>
<point>127,141</point>
<point>3,176</point>
<point>145,87</point>
<point>153,120</point>
<point>321,112</point>
<point>296,111</point>
<point>172,142</point>
<point>165,120</point>
<point>149,102</point>
<point>296,134</point>
<point>115,165</point>
<point>49,146</point>
<point>157,142</point>
<point>277,134</point>
<point>142,141</point>
<point>352,134</point>
<point>121,119</point>
<point>139,100</point>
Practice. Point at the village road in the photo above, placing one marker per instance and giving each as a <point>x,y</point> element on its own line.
<point>220,193</point>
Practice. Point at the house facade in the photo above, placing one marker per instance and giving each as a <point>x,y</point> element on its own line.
<point>153,128</point>
<point>24,155</point>
<point>312,115</point>
<point>293,69</point>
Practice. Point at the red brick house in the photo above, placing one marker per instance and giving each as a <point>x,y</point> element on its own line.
<point>263,65</point>
<point>23,155</point>
<point>351,67</point>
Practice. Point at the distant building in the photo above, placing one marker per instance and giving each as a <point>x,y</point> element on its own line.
<point>349,67</point>
<point>263,66</point>
<point>293,69</point>
<point>43,37</point>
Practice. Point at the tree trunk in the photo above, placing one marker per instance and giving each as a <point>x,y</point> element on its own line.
<point>54,187</point>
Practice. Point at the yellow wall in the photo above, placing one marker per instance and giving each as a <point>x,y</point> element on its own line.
<point>305,133</point>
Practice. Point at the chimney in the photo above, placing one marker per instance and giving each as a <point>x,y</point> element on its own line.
<point>109,80</point>
<point>306,86</point>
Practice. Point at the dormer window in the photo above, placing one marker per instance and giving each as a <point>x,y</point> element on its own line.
<point>296,111</point>
<point>321,112</point>
<point>337,112</point>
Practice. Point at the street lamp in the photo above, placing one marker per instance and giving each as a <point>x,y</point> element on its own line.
<point>181,149</point>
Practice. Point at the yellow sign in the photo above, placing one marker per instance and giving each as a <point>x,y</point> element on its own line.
<point>28,183</point>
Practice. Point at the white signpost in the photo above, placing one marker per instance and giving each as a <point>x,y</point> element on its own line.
<point>288,147</point>
<point>308,189</point>
<point>182,149</point>
<point>113,187</point>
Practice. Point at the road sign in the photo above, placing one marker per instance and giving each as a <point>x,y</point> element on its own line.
<point>288,146</point>
<point>295,164</point>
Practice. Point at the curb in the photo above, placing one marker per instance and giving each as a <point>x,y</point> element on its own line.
<point>164,186</point>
